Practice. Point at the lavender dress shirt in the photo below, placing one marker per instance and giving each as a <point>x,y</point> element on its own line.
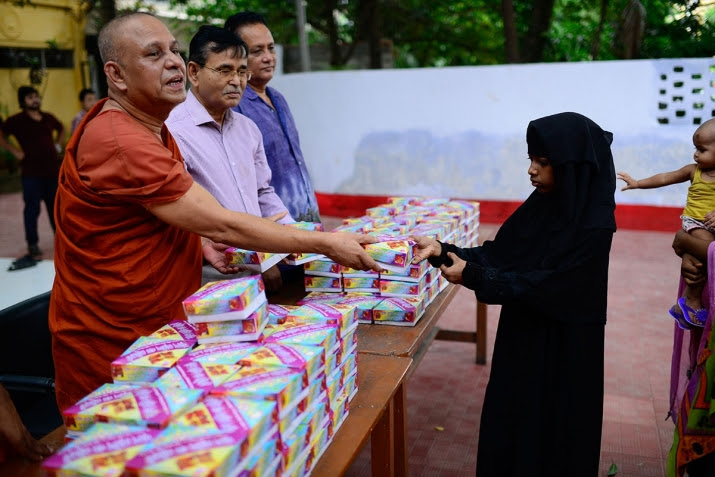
<point>280,137</point>
<point>227,161</point>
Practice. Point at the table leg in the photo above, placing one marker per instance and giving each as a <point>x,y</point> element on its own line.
<point>382,442</point>
<point>401,450</point>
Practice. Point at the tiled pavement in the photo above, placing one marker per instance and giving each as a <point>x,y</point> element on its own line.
<point>445,394</point>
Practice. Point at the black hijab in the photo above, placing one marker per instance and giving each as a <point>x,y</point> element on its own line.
<point>546,229</point>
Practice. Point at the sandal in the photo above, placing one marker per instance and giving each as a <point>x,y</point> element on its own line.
<point>25,262</point>
<point>677,314</point>
<point>694,317</point>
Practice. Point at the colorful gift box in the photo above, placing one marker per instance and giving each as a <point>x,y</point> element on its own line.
<point>321,297</point>
<point>364,305</point>
<point>102,451</point>
<point>257,419</point>
<point>277,313</point>
<point>390,287</point>
<point>340,409</point>
<point>310,360</point>
<point>176,330</point>
<point>404,311</point>
<point>344,316</point>
<point>311,334</point>
<point>220,353</point>
<point>80,416</point>
<point>265,462</point>
<point>199,453</point>
<point>394,255</point>
<point>361,284</point>
<point>247,329</point>
<point>318,283</point>
<point>252,260</point>
<point>196,375</point>
<point>232,299</point>
<point>413,274</point>
<point>147,406</point>
<point>284,386</point>
<point>147,359</point>
<point>322,268</point>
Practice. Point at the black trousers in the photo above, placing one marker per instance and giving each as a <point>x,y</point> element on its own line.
<point>36,190</point>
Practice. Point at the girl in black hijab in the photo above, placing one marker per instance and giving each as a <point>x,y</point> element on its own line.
<point>548,268</point>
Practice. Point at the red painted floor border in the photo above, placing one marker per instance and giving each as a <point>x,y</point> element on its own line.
<point>631,217</point>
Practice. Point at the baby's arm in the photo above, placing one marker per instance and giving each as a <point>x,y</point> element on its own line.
<point>663,179</point>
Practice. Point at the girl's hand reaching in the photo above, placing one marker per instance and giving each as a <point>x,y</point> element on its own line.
<point>631,183</point>
<point>453,274</point>
<point>426,248</point>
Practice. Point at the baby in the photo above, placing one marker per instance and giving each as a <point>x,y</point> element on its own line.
<point>698,216</point>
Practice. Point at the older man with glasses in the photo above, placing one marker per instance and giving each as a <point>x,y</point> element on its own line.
<point>223,150</point>
<point>269,109</point>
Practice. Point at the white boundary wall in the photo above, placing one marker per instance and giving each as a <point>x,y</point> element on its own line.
<point>460,131</point>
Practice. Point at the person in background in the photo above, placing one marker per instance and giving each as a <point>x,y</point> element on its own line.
<point>223,150</point>
<point>269,110</point>
<point>41,137</point>
<point>692,372</point>
<point>133,225</point>
<point>87,98</point>
<point>548,268</point>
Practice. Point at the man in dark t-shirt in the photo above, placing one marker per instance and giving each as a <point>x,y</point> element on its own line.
<point>41,138</point>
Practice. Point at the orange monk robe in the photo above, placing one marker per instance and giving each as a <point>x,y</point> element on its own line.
<point>120,271</point>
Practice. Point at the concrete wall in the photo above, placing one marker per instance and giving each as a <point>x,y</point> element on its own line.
<point>460,131</point>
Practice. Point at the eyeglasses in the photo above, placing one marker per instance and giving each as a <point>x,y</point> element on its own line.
<point>225,73</point>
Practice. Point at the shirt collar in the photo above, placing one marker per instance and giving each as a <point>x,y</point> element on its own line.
<point>198,113</point>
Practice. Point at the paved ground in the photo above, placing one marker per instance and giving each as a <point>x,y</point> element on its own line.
<point>445,394</point>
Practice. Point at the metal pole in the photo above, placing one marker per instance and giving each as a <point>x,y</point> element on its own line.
<point>302,37</point>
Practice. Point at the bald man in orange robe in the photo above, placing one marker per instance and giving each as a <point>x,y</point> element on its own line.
<point>132,225</point>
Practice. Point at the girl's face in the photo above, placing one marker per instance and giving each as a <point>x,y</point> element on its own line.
<point>541,174</point>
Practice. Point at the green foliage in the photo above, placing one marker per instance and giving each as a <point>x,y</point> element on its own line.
<point>428,33</point>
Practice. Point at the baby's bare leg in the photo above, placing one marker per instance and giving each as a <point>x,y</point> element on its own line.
<point>693,293</point>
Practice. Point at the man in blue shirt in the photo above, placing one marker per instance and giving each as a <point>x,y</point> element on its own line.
<point>269,110</point>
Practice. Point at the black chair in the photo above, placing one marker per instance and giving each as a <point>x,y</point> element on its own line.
<point>26,367</point>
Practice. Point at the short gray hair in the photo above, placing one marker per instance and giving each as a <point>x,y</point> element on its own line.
<point>107,40</point>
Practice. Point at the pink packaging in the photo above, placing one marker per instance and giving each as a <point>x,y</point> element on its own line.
<point>284,386</point>
<point>147,359</point>
<point>322,268</point>
<point>364,305</point>
<point>198,453</point>
<point>344,316</point>
<point>102,451</point>
<point>317,283</point>
<point>148,406</point>
<point>395,255</point>
<point>246,329</point>
<point>220,353</point>
<point>321,297</point>
<point>308,359</point>
<point>226,299</point>
<point>196,375</point>
<point>80,416</point>
<point>311,334</point>
<point>277,313</point>
<point>361,284</point>
<point>252,260</point>
<point>390,287</point>
<point>176,330</point>
<point>257,419</point>
<point>404,311</point>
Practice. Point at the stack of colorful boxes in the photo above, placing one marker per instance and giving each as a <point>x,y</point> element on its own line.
<point>228,310</point>
<point>410,287</point>
<point>249,408</point>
